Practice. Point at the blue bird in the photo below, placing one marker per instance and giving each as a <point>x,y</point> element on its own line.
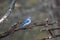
<point>25,23</point>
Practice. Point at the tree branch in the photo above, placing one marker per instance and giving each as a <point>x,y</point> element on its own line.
<point>8,11</point>
<point>13,27</point>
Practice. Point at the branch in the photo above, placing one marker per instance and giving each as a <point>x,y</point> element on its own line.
<point>8,11</point>
<point>51,34</point>
<point>13,27</point>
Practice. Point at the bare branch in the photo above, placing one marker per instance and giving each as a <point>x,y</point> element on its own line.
<point>13,27</point>
<point>8,11</point>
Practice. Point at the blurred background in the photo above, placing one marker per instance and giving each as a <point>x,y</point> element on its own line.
<point>39,10</point>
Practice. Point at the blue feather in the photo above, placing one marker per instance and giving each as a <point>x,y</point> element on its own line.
<point>26,22</point>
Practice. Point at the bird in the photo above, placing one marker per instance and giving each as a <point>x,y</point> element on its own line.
<point>25,23</point>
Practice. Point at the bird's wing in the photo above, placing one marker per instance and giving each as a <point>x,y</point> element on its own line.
<point>25,22</point>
